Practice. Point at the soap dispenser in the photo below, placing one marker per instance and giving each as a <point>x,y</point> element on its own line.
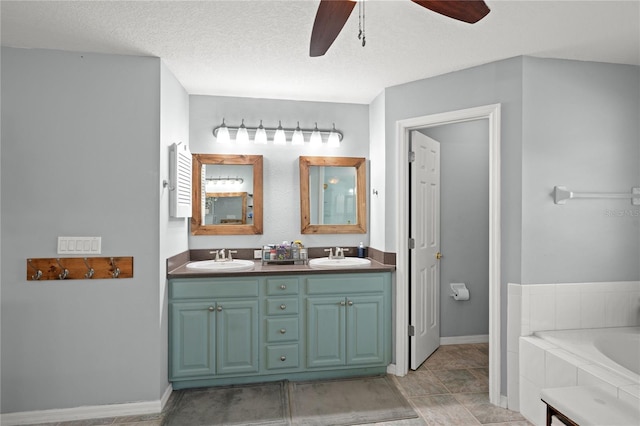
<point>361,250</point>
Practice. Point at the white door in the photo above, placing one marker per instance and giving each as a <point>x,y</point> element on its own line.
<point>425,263</point>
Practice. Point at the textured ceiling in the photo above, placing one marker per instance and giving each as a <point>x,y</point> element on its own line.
<point>261,48</point>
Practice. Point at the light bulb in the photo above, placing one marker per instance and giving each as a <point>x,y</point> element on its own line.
<point>222,135</point>
<point>279,138</point>
<point>316,137</point>
<point>261,135</point>
<point>298,137</point>
<point>334,139</point>
<point>242,136</point>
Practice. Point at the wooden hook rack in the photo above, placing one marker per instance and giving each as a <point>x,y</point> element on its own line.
<point>79,268</point>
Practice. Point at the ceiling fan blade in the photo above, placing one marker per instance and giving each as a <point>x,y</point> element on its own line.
<point>470,11</point>
<point>330,18</point>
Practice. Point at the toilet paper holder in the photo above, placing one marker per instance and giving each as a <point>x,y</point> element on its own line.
<point>460,291</point>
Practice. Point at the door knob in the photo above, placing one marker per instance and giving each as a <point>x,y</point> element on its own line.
<point>438,255</point>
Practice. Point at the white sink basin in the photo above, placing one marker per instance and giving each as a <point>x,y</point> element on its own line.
<point>347,262</point>
<point>235,265</point>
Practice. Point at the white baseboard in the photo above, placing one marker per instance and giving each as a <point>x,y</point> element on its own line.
<point>391,369</point>
<point>86,412</point>
<point>165,396</point>
<point>459,340</point>
<point>504,401</point>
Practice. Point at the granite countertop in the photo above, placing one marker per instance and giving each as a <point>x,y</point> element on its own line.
<point>274,269</point>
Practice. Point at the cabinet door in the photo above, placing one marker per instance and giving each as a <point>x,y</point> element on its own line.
<point>365,329</point>
<point>192,346</point>
<point>325,331</point>
<point>237,336</point>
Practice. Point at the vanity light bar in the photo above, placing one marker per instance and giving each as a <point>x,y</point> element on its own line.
<point>260,134</point>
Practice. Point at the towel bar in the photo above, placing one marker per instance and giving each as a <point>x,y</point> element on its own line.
<point>561,194</point>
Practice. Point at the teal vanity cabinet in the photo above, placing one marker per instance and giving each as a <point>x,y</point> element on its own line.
<point>264,327</point>
<point>213,327</point>
<point>348,320</point>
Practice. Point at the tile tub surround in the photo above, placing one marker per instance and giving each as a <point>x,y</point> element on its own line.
<point>561,306</point>
<point>543,307</point>
<point>544,365</point>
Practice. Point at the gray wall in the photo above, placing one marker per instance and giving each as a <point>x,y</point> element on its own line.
<point>174,128</point>
<point>281,170</point>
<point>464,230</point>
<point>497,82</point>
<point>581,130</point>
<point>81,140</point>
<point>562,123</point>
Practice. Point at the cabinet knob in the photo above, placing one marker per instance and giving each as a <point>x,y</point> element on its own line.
<point>283,330</point>
<point>283,358</point>
<point>283,306</point>
<point>211,308</point>
<point>219,308</point>
<point>350,303</point>
<point>283,287</point>
<point>342,303</point>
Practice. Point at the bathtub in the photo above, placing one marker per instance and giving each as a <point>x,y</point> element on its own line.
<point>616,349</point>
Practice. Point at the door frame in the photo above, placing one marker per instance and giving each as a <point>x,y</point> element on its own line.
<point>403,130</point>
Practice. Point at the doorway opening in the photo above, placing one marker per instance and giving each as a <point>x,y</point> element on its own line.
<point>403,273</point>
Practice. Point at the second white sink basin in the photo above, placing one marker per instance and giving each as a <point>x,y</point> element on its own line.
<point>347,262</point>
<point>235,265</point>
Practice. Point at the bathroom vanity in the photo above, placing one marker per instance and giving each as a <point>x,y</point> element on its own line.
<point>278,322</point>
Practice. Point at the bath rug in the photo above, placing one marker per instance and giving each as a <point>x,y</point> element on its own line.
<point>259,404</point>
<point>347,402</point>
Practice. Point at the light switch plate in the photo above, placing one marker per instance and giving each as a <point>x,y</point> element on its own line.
<point>79,245</point>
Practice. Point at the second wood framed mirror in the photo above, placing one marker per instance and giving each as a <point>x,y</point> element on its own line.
<point>333,195</point>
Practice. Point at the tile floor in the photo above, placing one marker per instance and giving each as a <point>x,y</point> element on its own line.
<point>451,388</point>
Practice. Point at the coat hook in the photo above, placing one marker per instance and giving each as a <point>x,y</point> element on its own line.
<point>116,270</point>
<point>90,270</point>
<point>38,273</point>
<point>65,271</point>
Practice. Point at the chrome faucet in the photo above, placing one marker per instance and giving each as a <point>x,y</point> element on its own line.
<point>220,257</point>
<point>330,250</point>
<point>340,253</point>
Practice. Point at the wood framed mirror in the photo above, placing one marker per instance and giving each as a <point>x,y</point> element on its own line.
<point>333,195</point>
<point>236,182</point>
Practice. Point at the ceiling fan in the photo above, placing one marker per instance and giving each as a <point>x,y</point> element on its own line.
<point>332,15</point>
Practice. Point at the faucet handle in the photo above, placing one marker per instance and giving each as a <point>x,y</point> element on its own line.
<point>230,252</point>
<point>330,250</point>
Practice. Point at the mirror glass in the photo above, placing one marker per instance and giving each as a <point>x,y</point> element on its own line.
<point>332,195</point>
<point>227,194</point>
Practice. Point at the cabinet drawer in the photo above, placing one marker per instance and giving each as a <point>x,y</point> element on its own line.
<point>282,329</point>
<point>282,306</point>
<point>341,284</point>
<point>282,356</point>
<point>213,288</point>
<point>277,286</point>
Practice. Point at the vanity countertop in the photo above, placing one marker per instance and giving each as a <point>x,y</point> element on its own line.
<point>274,269</point>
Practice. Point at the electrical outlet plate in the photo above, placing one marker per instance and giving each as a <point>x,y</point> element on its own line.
<point>79,245</point>
<point>257,254</point>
